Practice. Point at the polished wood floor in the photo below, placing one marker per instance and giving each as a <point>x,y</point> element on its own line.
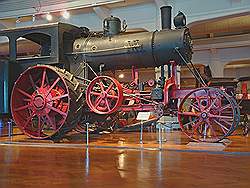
<point>118,160</point>
<point>108,168</point>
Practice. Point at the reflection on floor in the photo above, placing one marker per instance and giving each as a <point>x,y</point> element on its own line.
<point>118,160</point>
<point>174,140</point>
<point>112,168</point>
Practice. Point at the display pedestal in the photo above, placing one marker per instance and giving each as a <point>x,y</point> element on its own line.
<point>220,146</point>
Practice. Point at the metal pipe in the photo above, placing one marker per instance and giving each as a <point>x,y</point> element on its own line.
<point>165,24</point>
<point>166,17</point>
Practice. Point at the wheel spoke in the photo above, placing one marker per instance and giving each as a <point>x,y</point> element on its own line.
<point>101,86</point>
<point>112,96</point>
<point>212,104</point>
<point>28,120</point>
<point>212,129</point>
<point>230,124</point>
<point>223,128</point>
<point>198,101</point>
<point>110,87</point>
<point>43,78</point>
<point>194,106</point>
<point>24,93</point>
<point>98,101</point>
<point>196,126</point>
<point>59,97</point>
<point>53,85</point>
<point>220,116</point>
<point>26,100</point>
<point>95,93</point>
<point>107,104</point>
<point>208,97</point>
<point>57,110</point>
<point>189,114</point>
<point>190,123</point>
<point>32,82</point>
<point>53,125</point>
<point>21,108</point>
<point>225,107</point>
<point>39,126</point>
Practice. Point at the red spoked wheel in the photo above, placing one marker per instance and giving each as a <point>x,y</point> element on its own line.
<point>104,95</point>
<point>40,102</point>
<point>208,115</point>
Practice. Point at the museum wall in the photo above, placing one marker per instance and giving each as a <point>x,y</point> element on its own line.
<point>146,15</point>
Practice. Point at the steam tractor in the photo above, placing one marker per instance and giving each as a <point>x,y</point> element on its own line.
<point>64,83</point>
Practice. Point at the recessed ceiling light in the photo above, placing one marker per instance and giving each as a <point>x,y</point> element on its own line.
<point>49,17</point>
<point>66,14</point>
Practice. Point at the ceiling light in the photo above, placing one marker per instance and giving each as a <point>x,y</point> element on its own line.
<point>49,17</point>
<point>18,20</point>
<point>121,76</point>
<point>33,18</point>
<point>66,14</point>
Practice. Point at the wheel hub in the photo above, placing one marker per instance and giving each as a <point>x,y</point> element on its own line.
<point>204,115</point>
<point>39,102</point>
<point>103,95</point>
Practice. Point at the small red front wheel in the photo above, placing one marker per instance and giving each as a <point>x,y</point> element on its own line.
<point>208,115</point>
<point>104,95</point>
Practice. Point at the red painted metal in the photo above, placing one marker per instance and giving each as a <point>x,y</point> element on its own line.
<point>40,102</point>
<point>244,90</point>
<point>207,115</point>
<point>104,95</point>
<point>135,77</point>
<point>170,86</point>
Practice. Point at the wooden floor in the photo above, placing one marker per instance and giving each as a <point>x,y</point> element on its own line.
<point>25,164</point>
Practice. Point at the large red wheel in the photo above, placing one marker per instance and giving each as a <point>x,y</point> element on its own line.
<point>208,115</point>
<point>104,95</point>
<point>41,101</point>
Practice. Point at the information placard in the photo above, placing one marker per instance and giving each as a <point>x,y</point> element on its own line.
<point>143,116</point>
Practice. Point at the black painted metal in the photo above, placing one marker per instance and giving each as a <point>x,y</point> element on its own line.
<point>166,17</point>
<point>111,26</point>
<point>125,50</point>
<point>55,39</point>
<point>67,46</point>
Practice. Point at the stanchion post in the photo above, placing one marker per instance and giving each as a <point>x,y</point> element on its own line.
<point>1,127</point>
<point>1,123</point>
<point>142,116</point>
<point>87,162</point>
<point>160,135</point>
<point>10,129</point>
<point>141,141</point>
<point>87,134</point>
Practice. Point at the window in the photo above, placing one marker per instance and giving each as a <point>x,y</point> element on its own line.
<point>4,57</point>
<point>33,45</point>
<point>4,48</point>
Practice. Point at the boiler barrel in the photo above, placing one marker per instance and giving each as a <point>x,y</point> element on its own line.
<point>145,49</point>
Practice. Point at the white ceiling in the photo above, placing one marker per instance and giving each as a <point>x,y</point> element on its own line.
<point>15,8</point>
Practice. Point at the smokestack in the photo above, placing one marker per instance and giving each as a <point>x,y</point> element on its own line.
<point>166,17</point>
